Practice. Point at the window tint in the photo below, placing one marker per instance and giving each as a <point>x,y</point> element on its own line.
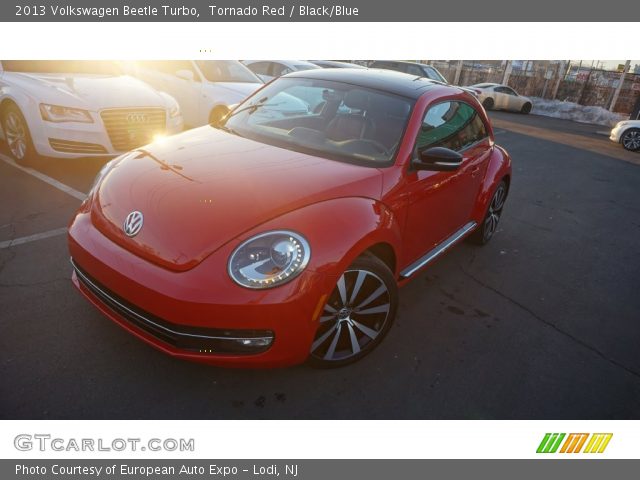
<point>453,125</point>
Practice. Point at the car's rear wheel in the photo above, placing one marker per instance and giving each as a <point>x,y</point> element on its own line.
<point>358,314</point>
<point>526,108</point>
<point>631,139</point>
<point>489,225</point>
<point>17,135</point>
<point>487,103</point>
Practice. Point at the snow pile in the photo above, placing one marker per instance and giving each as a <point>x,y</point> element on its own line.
<point>575,112</point>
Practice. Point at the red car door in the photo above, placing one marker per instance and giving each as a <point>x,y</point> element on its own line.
<point>440,203</point>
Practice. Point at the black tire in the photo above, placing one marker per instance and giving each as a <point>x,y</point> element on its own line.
<point>487,229</point>
<point>630,140</point>
<point>14,126</point>
<point>488,103</point>
<point>526,108</point>
<point>357,316</point>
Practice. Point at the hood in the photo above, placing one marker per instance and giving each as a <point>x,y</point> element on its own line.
<point>202,188</point>
<point>92,92</point>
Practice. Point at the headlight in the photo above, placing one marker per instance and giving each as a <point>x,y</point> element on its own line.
<point>269,259</point>
<point>56,113</point>
<point>174,111</point>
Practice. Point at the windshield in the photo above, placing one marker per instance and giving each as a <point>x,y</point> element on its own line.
<point>62,66</point>
<point>227,71</point>
<point>330,119</point>
<point>305,66</point>
<point>434,74</point>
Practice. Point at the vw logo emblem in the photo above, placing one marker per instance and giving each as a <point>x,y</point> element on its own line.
<point>136,118</point>
<point>133,224</point>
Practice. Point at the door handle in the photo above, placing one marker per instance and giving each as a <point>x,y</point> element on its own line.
<point>475,171</point>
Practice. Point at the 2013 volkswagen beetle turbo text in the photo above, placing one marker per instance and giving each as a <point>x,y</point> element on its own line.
<point>267,240</point>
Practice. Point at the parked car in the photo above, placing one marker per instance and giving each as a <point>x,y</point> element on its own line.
<point>203,88</point>
<point>495,96</point>
<point>261,243</point>
<point>72,109</point>
<point>334,64</point>
<point>412,68</point>
<point>627,133</point>
<point>267,70</point>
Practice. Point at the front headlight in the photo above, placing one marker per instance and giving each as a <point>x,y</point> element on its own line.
<point>56,113</point>
<point>269,259</point>
<point>174,110</point>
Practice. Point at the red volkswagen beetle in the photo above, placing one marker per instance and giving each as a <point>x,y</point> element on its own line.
<point>282,233</point>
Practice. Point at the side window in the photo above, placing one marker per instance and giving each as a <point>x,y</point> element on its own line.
<point>454,125</point>
<point>260,68</point>
<point>506,90</point>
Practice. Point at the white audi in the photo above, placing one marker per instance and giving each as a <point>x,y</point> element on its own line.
<point>75,109</point>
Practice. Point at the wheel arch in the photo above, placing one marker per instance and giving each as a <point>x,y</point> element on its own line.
<point>342,229</point>
<point>499,169</point>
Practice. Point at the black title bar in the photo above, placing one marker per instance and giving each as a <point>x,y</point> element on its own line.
<point>320,11</point>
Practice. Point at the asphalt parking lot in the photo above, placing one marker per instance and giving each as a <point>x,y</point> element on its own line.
<point>542,323</point>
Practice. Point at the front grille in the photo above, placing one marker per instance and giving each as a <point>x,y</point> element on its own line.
<point>68,146</point>
<point>192,339</point>
<point>130,128</point>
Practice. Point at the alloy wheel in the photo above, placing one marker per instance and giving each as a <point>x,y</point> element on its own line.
<point>16,135</point>
<point>353,318</point>
<point>494,212</point>
<point>631,140</point>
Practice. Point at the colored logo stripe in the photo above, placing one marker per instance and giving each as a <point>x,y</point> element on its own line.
<point>575,441</point>
<point>598,442</point>
<point>550,442</point>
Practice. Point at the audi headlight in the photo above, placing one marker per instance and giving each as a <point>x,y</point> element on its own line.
<point>269,259</point>
<point>174,111</point>
<point>56,113</point>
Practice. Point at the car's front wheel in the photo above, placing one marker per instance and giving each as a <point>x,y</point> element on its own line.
<point>526,108</point>
<point>488,103</point>
<point>631,139</point>
<point>358,314</point>
<point>489,225</point>
<point>17,135</point>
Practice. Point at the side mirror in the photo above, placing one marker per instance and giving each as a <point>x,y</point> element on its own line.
<point>438,159</point>
<point>185,75</point>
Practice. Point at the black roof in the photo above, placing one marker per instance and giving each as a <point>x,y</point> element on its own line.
<point>385,80</point>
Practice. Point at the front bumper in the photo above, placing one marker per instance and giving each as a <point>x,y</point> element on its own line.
<point>74,140</point>
<point>616,133</point>
<point>198,315</point>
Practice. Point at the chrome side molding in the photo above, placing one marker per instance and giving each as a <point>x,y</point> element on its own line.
<point>438,250</point>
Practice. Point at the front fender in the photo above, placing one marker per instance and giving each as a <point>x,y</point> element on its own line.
<point>499,167</point>
<point>338,231</point>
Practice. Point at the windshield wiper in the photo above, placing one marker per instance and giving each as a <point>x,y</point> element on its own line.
<point>254,106</point>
